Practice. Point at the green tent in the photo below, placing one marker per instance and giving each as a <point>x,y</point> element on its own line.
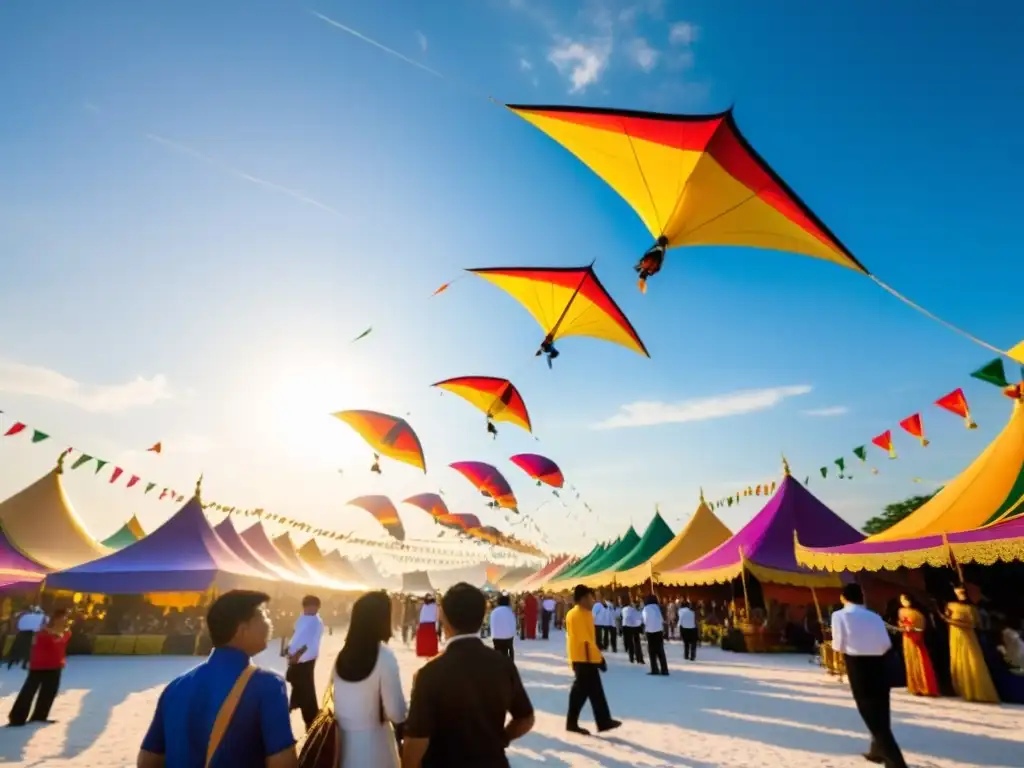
<point>574,568</point>
<point>657,535</point>
<point>126,535</point>
<point>612,555</point>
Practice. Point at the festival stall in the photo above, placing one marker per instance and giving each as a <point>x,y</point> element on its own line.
<point>622,547</point>
<point>700,535</point>
<point>341,569</point>
<point>233,540</point>
<point>127,534</point>
<point>513,576</point>
<point>286,547</point>
<point>41,523</point>
<point>538,578</point>
<point>657,535</point>
<point>573,567</point>
<point>316,562</point>
<point>760,564</point>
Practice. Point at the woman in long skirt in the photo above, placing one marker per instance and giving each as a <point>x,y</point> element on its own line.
<point>426,633</point>
<point>921,680</point>
<point>971,677</point>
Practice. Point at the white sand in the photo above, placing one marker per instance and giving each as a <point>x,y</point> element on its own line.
<point>725,710</point>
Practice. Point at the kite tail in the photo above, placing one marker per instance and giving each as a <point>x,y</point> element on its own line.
<point>930,315</point>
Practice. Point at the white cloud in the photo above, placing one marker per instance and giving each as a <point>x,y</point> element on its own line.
<point>20,379</point>
<point>682,33</point>
<point>583,63</point>
<point>422,40</point>
<point>832,410</point>
<point>525,65</point>
<point>642,54</point>
<point>646,413</point>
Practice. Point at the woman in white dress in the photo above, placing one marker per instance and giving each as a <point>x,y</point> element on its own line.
<point>368,700</point>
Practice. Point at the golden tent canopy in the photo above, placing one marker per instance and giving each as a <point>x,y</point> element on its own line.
<point>40,521</point>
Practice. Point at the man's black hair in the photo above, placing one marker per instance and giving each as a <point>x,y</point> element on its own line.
<point>309,600</point>
<point>581,591</point>
<point>852,593</point>
<point>230,611</point>
<point>504,599</point>
<point>464,606</point>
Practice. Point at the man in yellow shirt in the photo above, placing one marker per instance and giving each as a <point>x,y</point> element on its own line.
<point>587,663</point>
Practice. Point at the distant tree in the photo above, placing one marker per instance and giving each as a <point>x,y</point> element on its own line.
<point>893,513</point>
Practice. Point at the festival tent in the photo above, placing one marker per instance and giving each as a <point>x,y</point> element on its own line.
<point>657,535</point>
<point>536,579</point>
<point>15,568</point>
<point>572,567</point>
<point>764,546</point>
<point>41,523</point>
<point>127,534</point>
<point>367,568</point>
<point>182,555</point>
<point>286,547</point>
<point>258,540</point>
<point>701,534</point>
<point>612,555</point>
<point>233,540</point>
<point>341,569</point>
<point>442,578</point>
<point>416,582</point>
<point>513,576</point>
<point>316,562</point>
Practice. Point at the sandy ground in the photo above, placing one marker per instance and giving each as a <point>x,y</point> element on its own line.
<point>724,710</point>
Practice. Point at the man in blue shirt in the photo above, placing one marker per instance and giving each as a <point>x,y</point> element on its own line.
<point>259,733</point>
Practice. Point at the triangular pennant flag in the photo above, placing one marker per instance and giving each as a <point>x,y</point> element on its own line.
<point>133,480</point>
<point>149,487</point>
<point>861,453</point>
<point>180,498</point>
<point>955,402</point>
<point>824,471</point>
<point>841,463</point>
<point>1017,353</point>
<point>993,373</point>
<point>81,460</point>
<point>115,474</point>
<point>38,437</point>
<point>16,427</point>
<point>155,448</point>
<point>163,495</point>
<point>100,464</point>
<point>807,480</point>
<point>915,427</point>
<point>884,441</point>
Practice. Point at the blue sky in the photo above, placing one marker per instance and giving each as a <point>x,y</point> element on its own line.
<point>200,205</point>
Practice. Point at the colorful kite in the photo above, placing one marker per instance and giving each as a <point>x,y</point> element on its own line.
<point>434,505</point>
<point>696,180</point>
<point>540,468</point>
<point>387,435</point>
<point>566,302</point>
<point>497,398</point>
<point>489,481</point>
<point>385,513</point>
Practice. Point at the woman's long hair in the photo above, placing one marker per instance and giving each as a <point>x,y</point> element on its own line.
<point>369,626</point>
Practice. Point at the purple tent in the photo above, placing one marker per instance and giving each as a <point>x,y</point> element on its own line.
<point>227,533</point>
<point>764,546</point>
<point>1002,541</point>
<point>256,537</point>
<point>284,545</point>
<point>16,570</point>
<point>182,555</point>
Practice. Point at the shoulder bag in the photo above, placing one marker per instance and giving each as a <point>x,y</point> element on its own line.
<point>227,712</point>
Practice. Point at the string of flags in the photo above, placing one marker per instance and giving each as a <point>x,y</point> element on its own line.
<point>954,402</point>
<point>75,459</point>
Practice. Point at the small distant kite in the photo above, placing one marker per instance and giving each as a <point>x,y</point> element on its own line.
<point>385,513</point>
<point>566,302</point>
<point>387,435</point>
<point>362,335</point>
<point>540,468</point>
<point>155,448</point>
<point>497,398</point>
<point>489,481</point>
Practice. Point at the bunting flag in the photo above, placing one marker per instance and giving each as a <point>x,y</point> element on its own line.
<point>38,437</point>
<point>861,453</point>
<point>16,428</point>
<point>133,480</point>
<point>824,472</point>
<point>841,463</point>
<point>993,373</point>
<point>115,474</point>
<point>914,426</point>
<point>155,448</point>
<point>100,464</point>
<point>884,441</point>
<point>85,457</point>
<point>955,402</point>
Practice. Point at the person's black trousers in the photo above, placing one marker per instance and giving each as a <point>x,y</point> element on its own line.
<point>505,646</point>
<point>611,640</point>
<point>21,649</point>
<point>303,690</point>
<point>599,634</point>
<point>656,648</point>
<point>634,644</point>
<point>690,639</point>
<point>869,682</point>
<point>545,624</point>
<point>587,685</point>
<point>46,683</point>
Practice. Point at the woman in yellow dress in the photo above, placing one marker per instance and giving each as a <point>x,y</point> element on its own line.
<point>921,679</point>
<point>971,678</point>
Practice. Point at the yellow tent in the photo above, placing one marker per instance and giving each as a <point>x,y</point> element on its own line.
<point>702,534</point>
<point>990,489</point>
<point>40,521</point>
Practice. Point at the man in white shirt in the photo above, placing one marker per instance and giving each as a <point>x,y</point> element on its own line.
<point>599,627</point>
<point>654,626</point>
<point>302,654</point>
<point>688,631</point>
<point>605,621</point>
<point>503,627</point>
<point>861,636</point>
<point>547,611</point>
<point>632,622</point>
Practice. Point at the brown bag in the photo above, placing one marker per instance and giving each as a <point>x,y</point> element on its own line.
<point>227,712</point>
<point>323,743</point>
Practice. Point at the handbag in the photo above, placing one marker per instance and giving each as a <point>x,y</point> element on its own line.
<point>323,743</point>
<point>227,712</point>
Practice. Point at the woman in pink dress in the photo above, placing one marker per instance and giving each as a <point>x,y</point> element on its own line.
<point>426,634</point>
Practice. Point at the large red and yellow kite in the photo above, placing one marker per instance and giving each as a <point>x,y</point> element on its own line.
<point>489,481</point>
<point>566,302</point>
<point>385,513</point>
<point>388,436</point>
<point>497,398</point>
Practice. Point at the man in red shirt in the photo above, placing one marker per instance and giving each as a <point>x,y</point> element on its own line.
<point>44,667</point>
